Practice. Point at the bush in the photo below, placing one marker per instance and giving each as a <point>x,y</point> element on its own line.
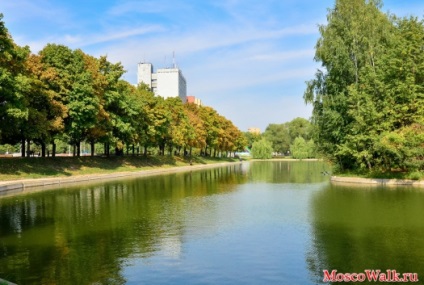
<point>262,149</point>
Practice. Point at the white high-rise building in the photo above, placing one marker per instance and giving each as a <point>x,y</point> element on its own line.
<point>166,82</point>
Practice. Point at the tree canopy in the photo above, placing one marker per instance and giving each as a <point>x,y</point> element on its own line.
<point>62,94</point>
<point>368,97</point>
<point>282,136</point>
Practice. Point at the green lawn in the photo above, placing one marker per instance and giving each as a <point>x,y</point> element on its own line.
<point>35,167</point>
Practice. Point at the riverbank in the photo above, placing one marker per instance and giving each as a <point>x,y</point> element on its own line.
<point>376,181</point>
<point>11,187</point>
<point>34,167</point>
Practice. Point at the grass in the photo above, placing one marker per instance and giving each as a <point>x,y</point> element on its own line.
<point>34,167</point>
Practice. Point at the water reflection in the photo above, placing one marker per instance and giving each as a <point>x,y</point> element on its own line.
<point>288,171</point>
<point>82,236</point>
<point>355,229</point>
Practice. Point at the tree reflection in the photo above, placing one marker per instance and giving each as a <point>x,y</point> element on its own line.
<point>85,235</point>
<point>354,229</point>
<point>288,171</point>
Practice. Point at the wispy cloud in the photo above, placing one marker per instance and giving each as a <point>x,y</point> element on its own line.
<point>139,7</point>
<point>121,34</point>
<point>247,53</point>
<point>284,55</point>
<point>87,40</point>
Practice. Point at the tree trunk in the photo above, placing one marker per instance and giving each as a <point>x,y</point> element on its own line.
<point>92,148</point>
<point>23,147</point>
<point>53,149</point>
<point>28,148</point>
<point>43,149</point>
<point>77,151</point>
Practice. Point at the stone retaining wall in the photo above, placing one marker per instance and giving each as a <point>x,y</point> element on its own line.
<point>377,181</point>
<point>18,186</point>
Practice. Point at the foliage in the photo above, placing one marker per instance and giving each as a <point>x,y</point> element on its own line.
<point>262,149</point>
<point>13,85</point>
<point>251,138</point>
<point>282,136</point>
<point>278,136</point>
<point>301,149</point>
<point>67,95</point>
<point>367,100</point>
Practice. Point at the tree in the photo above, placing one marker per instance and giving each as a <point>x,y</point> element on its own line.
<point>46,114</point>
<point>278,136</point>
<point>210,121</point>
<point>299,149</point>
<point>251,138</point>
<point>371,85</point>
<point>198,136</point>
<point>14,85</point>
<point>153,122</point>
<point>299,127</point>
<point>283,135</point>
<point>179,127</point>
<point>262,149</point>
<point>106,86</point>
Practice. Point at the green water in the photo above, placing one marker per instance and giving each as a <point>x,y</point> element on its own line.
<point>251,223</point>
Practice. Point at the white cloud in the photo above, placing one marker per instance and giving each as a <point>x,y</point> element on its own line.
<point>284,55</point>
<point>123,7</point>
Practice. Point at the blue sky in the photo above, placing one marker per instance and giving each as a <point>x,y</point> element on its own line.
<point>248,59</point>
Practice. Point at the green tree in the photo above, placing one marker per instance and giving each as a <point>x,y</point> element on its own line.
<point>278,135</point>
<point>251,138</point>
<point>262,149</point>
<point>299,127</point>
<point>371,87</point>
<point>299,148</point>
<point>46,114</point>
<point>154,122</point>
<point>179,127</point>
<point>14,85</point>
<point>198,137</point>
<point>211,123</point>
<point>283,135</point>
<point>113,95</point>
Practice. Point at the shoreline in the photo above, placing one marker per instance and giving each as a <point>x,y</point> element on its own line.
<point>15,187</point>
<point>376,181</point>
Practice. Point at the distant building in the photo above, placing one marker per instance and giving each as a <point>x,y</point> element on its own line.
<point>255,131</point>
<point>166,82</point>
<point>194,100</point>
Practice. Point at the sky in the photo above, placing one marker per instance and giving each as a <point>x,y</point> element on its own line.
<point>247,59</point>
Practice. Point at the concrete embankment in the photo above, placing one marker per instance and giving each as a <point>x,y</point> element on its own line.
<point>376,181</point>
<point>20,186</point>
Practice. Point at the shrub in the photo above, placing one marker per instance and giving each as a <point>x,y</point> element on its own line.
<point>262,149</point>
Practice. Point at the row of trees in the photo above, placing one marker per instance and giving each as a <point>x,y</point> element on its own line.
<point>291,138</point>
<point>368,100</point>
<point>69,95</point>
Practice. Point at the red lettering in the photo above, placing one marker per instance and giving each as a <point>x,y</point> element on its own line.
<point>372,275</point>
<point>340,277</point>
<point>329,277</point>
<point>361,277</point>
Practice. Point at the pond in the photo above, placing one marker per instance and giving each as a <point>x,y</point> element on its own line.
<point>262,222</point>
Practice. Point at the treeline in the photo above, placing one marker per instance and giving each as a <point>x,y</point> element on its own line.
<point>292,138</point>
<point>66,95</point>
<point>368,99</point>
